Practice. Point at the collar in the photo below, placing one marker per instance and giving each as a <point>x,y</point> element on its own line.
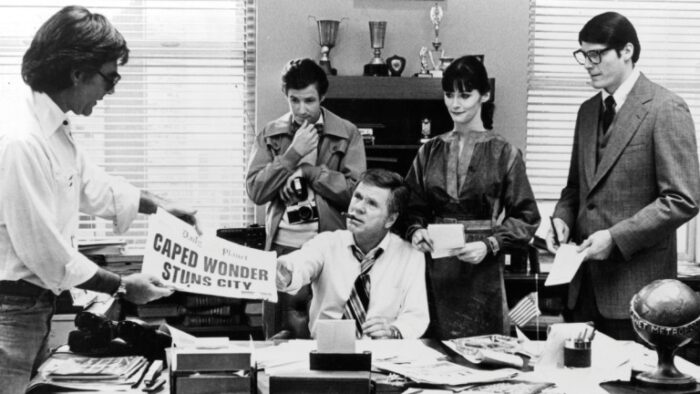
<point>48,113</point>
<point>476,136</point>
<point>332,125</point>
<point>623,91</point>
<point>349,241</point>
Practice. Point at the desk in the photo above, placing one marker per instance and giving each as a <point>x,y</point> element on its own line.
<point>572,381</point>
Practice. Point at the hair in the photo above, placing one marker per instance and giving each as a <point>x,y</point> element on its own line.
<point>72,39</point>
<point>613,30</point>
<point>466,74</point>
<point>386,179</point>
<point>300,73</point>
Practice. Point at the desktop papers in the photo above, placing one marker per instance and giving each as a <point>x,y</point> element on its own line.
<point>566,263</point>
<point>194,263</point>
<point>447,238</point>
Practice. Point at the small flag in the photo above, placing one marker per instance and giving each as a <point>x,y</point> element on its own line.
<point>525,310</point>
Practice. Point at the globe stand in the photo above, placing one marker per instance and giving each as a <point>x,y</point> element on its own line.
<point>666,374</point>
<point>666,315</point>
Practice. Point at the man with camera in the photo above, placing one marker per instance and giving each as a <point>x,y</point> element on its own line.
<point>366,272</point>
<point>304,166</point>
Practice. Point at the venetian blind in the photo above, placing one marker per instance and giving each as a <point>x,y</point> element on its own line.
<point>669,35</point>
<point>178,123</point>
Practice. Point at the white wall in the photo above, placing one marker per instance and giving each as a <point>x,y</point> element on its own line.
<point>496,28</point>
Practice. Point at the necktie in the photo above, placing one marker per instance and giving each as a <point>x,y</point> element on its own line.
<point>356,306</point>
<point>296,126</point>
<point>609,113</point>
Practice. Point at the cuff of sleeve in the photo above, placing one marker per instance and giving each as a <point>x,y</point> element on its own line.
<point>294,285</point>
<point>79,270</point>
<point>290,159</point>
<point>619,247</point>
<point>310,172</point>
<point>405,330</point>
<point>126,203</point>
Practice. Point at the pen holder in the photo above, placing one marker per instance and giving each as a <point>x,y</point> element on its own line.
<point>577,353</point>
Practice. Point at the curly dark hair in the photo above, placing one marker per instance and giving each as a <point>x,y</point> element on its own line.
<point>72,39</point>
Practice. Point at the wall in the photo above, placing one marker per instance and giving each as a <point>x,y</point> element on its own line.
<point>468,27</point>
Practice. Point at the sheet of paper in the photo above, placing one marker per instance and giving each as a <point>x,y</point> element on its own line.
<point>446,238</point>
<point>335,336</point>
<point>206,264</point>
<point>566,263</point>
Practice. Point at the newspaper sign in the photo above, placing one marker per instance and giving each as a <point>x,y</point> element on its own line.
<point>202,264</point>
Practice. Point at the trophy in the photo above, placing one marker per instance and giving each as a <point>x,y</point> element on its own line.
<point>327,33</point>
<point>666,315</point>
<point>436,15</point>
<point>425,130</point>
<point>377,66</point>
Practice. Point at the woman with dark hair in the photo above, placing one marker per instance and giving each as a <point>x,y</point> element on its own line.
<point>473,176</point>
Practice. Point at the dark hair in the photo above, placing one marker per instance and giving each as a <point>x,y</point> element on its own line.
<point>611,29</point>
<point>386,179</point>
<point>72,39</point>
<point>466,74</point>
<point>300,73</point>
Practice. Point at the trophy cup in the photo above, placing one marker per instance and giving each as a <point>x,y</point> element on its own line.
<point>436,15</point>
<point>377,66</point>
<point>666,315</point>
<point>327,33</point>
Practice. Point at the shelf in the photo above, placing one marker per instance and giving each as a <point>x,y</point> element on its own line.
<point>384,88</point>
<point>407,147</point>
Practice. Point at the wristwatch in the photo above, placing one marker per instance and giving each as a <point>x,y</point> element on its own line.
<point>121,290</point>
<point>395,333</point>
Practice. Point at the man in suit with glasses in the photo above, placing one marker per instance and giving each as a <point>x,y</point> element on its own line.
<point>633,179</point>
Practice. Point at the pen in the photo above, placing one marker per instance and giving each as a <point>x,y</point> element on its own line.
<point>554,230</point>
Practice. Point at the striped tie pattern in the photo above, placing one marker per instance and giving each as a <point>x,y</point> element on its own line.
<point>356,306</point>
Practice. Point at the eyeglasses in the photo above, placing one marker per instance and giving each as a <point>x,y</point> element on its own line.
<point>111,81</point>
<point>593,55</point>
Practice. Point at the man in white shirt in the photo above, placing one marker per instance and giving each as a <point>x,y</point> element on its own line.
<point>366,272</point>
<point>46,181</point>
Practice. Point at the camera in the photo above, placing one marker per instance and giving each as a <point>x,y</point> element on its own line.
<point>305,210</point>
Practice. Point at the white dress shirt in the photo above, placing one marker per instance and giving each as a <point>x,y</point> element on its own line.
<point>622,91</point>
<point>45,181</point>
<point>397,280</point>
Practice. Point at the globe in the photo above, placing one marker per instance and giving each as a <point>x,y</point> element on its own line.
<point>666,315</point>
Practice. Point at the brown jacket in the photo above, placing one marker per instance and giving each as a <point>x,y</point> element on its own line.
<point>341,161</point>
<point>646,185</point>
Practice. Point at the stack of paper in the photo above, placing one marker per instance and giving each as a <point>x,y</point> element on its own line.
<point>111,374</point>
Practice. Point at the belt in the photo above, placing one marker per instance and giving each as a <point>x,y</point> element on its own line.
<point>21,288</point>
<point>469,225</point>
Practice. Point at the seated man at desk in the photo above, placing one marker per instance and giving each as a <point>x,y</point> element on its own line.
<point>366,272</point>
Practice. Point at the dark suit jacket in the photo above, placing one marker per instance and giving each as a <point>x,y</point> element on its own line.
<point>646,185</point>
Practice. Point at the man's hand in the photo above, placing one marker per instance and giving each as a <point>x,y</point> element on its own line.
<point>143,288</point>
<point>600,244</point>
<point>149,204</point>
<point>563,234</point>
<point>376,327</point>
<point>421,240</point>
<point>472,252</point>
<point>184,213</point>
<point>286,193</point>
<point>284,275</point>
<point>305,139</point>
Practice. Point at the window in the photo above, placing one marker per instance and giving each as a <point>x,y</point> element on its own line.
<point>180,122</point>
<point>669,34</point>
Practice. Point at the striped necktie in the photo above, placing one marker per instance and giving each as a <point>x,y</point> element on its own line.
<point>357,304</point>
